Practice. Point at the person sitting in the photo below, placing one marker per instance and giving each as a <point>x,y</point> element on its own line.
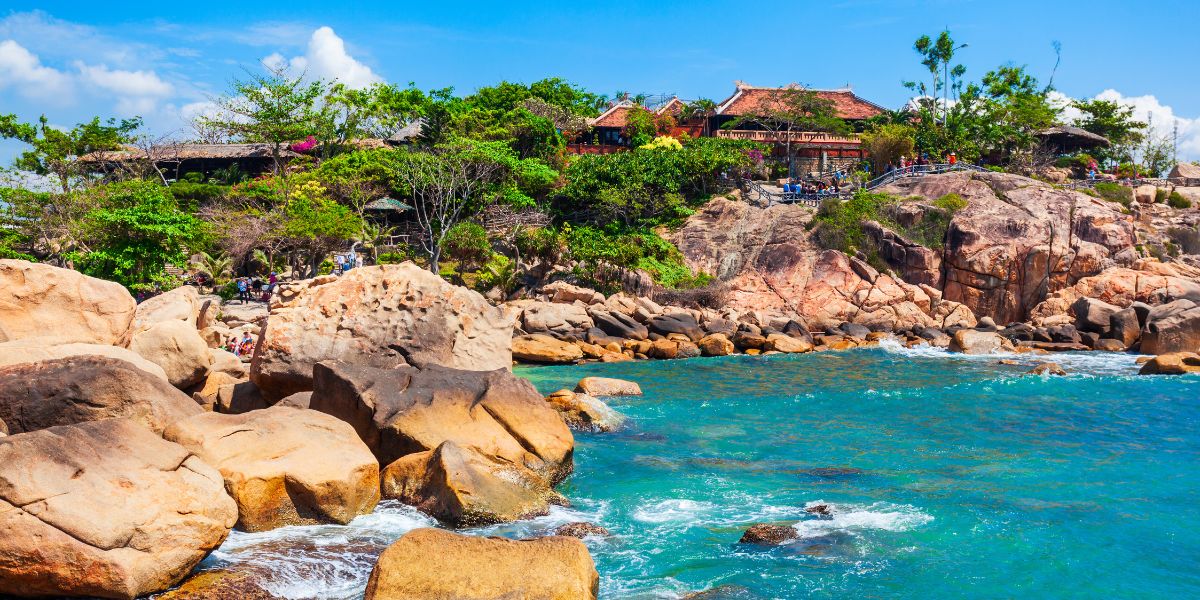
<point>246,347</point>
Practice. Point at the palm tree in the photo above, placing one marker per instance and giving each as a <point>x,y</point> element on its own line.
<point>372,233</point>
<point>701,108</point>
<point>216,267</point>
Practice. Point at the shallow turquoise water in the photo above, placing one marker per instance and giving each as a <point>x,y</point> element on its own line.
<point>950,476</point>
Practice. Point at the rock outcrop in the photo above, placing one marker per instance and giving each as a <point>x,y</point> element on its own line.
<point>41,301</point>
<point>404,410</point>
<point>1174,363</point>
<point>462,486</point>
<point>285,466</point>
<point>432,564</point>
<point>1019,239</point>
<point>768,261</point>
<point>178,348</point>
<point>769,535</point>
<point>381,316</point>
<point>105,508</point>
<point>1147,281</point>
<point>608,386</point>
<point>67,391</point>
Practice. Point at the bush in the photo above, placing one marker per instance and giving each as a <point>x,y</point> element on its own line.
<point>1114,192</point>
<point>951,203</point>
<point>839,224</point>
<point>468,244</point>
<point>632,249</point>
<point>1160,195</point>
<point>393,258</point>
<point>1176,200</point>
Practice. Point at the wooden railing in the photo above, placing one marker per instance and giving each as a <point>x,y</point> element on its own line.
<point>803,137</point>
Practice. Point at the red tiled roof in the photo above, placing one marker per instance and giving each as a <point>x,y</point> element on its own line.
<point>848,106</point>
<point>615,116</point>
<point>673,107</point>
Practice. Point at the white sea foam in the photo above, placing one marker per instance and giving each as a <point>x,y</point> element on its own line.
<point>1075,363</point>
<point>855,519</point>
<point>673,510</point>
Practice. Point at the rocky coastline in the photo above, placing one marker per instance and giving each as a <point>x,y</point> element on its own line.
<point>390,383</point>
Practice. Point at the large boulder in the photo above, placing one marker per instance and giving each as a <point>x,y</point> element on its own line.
<point>542,317</point>
<point>681,323</point>
<point>540,348</point>
<point>464,487</point>
<point>381,316</point>
<point>1124,327</point>
<point>405,410</point>
<point>608,386</point>
<point>1172,363</point>
<point>179,304</point>
<point>970,341</point>
<point>716,344</point>
<point>105,508</point>
<point>42,301</point>
<point>285,466</point>
<point>561,291</point>
<point>619,324</point>
<point>432,564</point>
<point>176,347</point>
<point>226,362</point>
<point>67,391</point>
<point>1172,327</point>
<point>35,350</point>
<point>1093,315</point>
<point>583,412</point>
<point>1147,282</point>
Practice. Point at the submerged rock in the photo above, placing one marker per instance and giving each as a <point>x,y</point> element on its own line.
<point>584,412</point>
<point>106,508</point>
<point>285,466</point>
<point>220,585</point>
<point>833,472</point>
<point>405,410</point>
<point>823,510</point>
<point>432,564</point>
<point>1175,363</point>
<point>767,534</point>
<point>1047,368</point>
<point>380,316</point>
<point>42,301</point>
<point>67,391</point>
<point>464,487</point>
<point>581,530</point>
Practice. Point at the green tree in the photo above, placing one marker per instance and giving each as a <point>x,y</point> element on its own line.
<point>885,144</point>
<point>55,152</point>
<point>272,108</point>
<point>467,243</point>
<point>1114,121</point>
<point>936,56</point>
<point>134,232</point>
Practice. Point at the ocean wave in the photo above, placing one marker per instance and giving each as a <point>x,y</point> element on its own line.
<point>854,519</point>
<point>673,510</point>
<point>1075,363</point>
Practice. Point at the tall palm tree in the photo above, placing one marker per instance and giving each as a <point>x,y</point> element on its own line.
<point>372,234</point>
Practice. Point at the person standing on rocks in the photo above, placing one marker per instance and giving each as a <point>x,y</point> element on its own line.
<point>243,290</point>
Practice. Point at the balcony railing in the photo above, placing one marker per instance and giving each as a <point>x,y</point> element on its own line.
<point>803,137</point>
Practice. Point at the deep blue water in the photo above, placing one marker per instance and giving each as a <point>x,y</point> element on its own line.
<point>950,476</point>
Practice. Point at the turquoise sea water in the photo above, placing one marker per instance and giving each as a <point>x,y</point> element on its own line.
<point>950,476</point>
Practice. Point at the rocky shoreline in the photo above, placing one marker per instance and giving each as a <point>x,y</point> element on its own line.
<point>389,382</point>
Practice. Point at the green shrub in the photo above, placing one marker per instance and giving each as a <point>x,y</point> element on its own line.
<point>467,243</point>
<point>638,248</point>
<point>228,292</point>
<point>1176,200</point>
<point>838,224</point>
<point>393,258</point>
<point>996,169</point>
<point>951,202</point>
<point>1114,192</point>
<point>498,272</point>
<point>1160,195</point>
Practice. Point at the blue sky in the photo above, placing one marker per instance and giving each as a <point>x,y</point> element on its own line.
<point>164,61</point>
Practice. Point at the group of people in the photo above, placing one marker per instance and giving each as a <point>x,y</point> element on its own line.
<point>248,288</point>
<point>345,262</point>
<point>919,161</point>
<point>240,347</point>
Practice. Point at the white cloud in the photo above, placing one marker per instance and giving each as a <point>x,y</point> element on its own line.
<point>1162,120</point>
<point>326,58</point>
<point>25,72</point>
<point>125,84</point>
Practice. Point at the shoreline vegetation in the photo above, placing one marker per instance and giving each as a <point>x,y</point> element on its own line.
<point>409,246</point>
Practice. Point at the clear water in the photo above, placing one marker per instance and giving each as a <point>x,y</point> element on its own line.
<point>950,476</point>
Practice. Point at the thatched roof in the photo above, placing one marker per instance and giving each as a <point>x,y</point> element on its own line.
<point>388,204</point>
<point>1076,137</point>
<point>181,152</point>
